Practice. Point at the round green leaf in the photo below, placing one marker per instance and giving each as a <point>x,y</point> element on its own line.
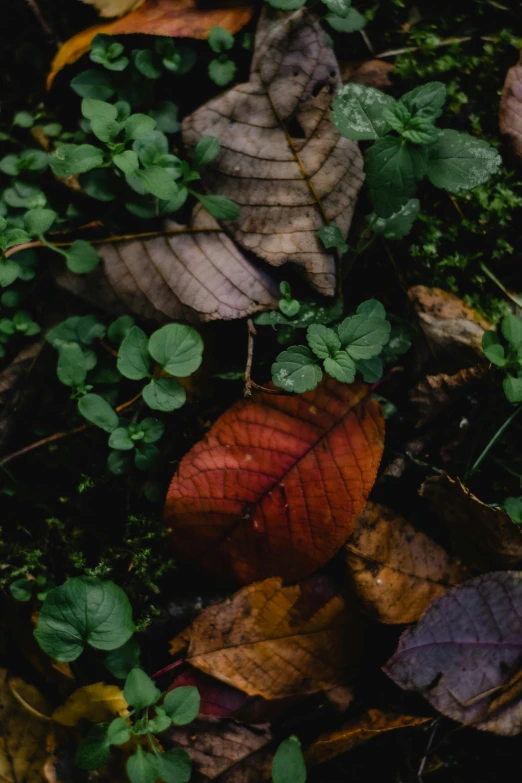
<point>133,356</point>
<point>22,589</point>
<point>81,257</point>
<point>296,370</point>
<point>93,752</point>
<point>118,732</point>
<point>164,394</point>
<point>177,348</point>
<point>83,611</point>
<point>9,271</point>
<point>175,766</point>
<point>71,368</point>
<point>152,429</point>
<point>120,661</point>
<point>120,328</point>
<point>39,221</point>
<point>182,704</point>
<point>146,456</point>
<point>121,440</point>
<point>140,691</point>
<point>119,463</point>
<point>142,767</point>
<point>98,411</point>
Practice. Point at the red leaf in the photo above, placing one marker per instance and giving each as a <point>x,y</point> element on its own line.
<point>277,485</point>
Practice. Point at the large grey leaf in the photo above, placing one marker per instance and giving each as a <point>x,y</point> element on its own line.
<point>510,115</point>
<point>281,159</point>
<point>465,652</point>
<point>198,275</point>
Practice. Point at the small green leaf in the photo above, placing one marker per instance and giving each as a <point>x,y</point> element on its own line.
<point>340,366</point>
<point>166,116</point>
<point>357,112</point>
<point>222,70</point>
<point>220,40</point>
<point>426,101</point>
<point>164,394</point>
<point>152,429</point>
<point>23,119</point>
<point>492,348</point>
<point>146,456</point>
<point>370,369</point>
<point>206,150</point>
<point>160,722</point>
<point>8,272</point>
<point>331,236</point>
<point>391,172</point>
<point>287,5</point>
<point>75,159</point>
<point>120,328</point>
<point>105,129</point>
<point>182,704</point>
<point>118,732</point>
<point>175,766</point>
<point>93,84</point>
<point>98,411</point>
<point>296,370</point>
<point>120,661</point>
<point>323,341</point>
<point>93,752</point>
<point>15,236</point>
<point>138,126</point>
<point>372,308</point>
<point>397,225</point>
<point>127,161</point>
<point>288,765</point>
<point>220,207</point>
<point>511,328</point>
<point>140,691</point>
<point>92,108</point>
<point>81,257</point>
<point>133,355</point>
<point>39,221</point>
<point>177,348</point>
<point>351,23</point>
<point>458,161</point>
<point>512,388</point>
<point>22,589</point>
<point>119,463</point>
<point>83,611</point>
<point>120,439</point>
<point>157,181</point>
<point>148,63</point>
<point>339,7</point>
<point>142,767</point>
<point>290,307</point>
<point>513,507</point>
<point>363,337</point>
<point>71,368</point>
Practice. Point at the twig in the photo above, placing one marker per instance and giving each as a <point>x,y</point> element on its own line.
<point>167,669</point>
<point>49,31</point>
<point>420,771</point>
<point>64,434</point>
<point>500,285</point>
<point>250,358</point>
<point>407,49</point>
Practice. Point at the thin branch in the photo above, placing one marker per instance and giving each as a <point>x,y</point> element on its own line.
<point>250,358</point>
<point>49,31</point>
<point>64,434</point>
<point>407,49</point>
<point>502,287</point>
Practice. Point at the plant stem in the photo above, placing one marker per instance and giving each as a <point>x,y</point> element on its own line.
<point>492,442</point>
<point>502,287</point>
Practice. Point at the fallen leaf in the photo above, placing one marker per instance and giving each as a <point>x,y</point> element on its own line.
<point>437,393</point>
<point>23,730</point>
<point>486,536</point>
<point>97,703</point>
<point>225,750</point>
<point>111,8</point>
<point>371,73</point>
<point>274,641</point>
<point>396,570</point>
<point>355,732</point>
<point>276,486</point>
<point>197,274</point>
<point>464,654</point>
<point>172,18</point>
<point>18,369</point>
<point>15,393</point>
<point>511,107</point>
<point>281,159</point>
<point>450,326</point>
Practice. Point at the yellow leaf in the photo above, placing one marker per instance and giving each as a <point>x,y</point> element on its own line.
<point>111,8</point>
<point>97,702</point>
<point>23,730</point>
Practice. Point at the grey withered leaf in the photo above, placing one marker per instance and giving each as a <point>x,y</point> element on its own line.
<point>464,654</point>
<point>281,159</point>
<point>197,274</point>
<point>510,114</point>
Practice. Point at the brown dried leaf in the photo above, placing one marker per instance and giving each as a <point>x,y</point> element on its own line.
<point>282,160</point>
<point>436,393</point>
<point>450,326</point>
<point>371,724</point>
<point>486,537</point>
<point>397,571</point>
<point>275,641</point>
<point>15,393</point>
<point>225,750</point>
<point>111,8</point>
<point>464,654</point>
<point>191,275</point>
<point>511,107</point>
<point>371,73</point>
<point>23,729</point>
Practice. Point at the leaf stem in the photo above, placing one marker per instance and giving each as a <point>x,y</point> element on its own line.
<point>492,442</point>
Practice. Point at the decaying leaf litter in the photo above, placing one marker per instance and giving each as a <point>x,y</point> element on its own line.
<point>290,608</point>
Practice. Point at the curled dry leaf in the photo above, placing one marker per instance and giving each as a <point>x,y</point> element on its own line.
<point>173,18</point>
<point>281,159</point>
<point>225,750</point>
<point>486,537</point>
<point>452,329</point>
<point>194,274</point>
<point>98,703</point>
<point>397,571</point>
<point>273,641</point>
<point>23,731</point>
<point>277,484</point>
<point>355,732</point>
<point>464,654</point>
<point>511,107</point>
<point>437,393</point>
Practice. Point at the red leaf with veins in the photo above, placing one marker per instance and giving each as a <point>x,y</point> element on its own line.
<point>277,485</point>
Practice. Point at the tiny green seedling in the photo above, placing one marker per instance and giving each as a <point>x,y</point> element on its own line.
<point>505,351</point>
<point>221,69</point>
<point>407,147</point>
<point>288,306</point>
<point>353,346</point>
<point>288,765</point>
<point>341,16</point>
